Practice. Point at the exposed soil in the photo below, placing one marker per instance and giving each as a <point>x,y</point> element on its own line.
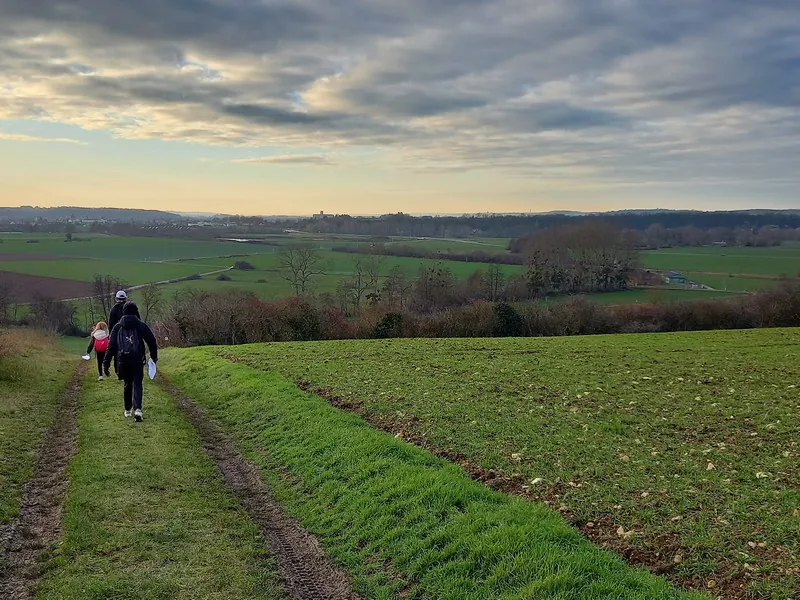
<point>25,544</point>
<point>307,572</point>
<point>28,288</point>
<point>33,256</point>
<point>659,556</point>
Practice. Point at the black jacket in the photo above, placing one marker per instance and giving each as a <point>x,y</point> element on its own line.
<point>145,335</point>
<point>114,315</point>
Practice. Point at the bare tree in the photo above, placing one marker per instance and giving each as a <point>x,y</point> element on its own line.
<point>299,265</point>
<point>495,280</point>
<point>151,300</point>
<point>104,287</point>
<point>363,282</point>
<point>397,287</point>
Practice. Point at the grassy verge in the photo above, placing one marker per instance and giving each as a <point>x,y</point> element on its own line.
<point>402,521</point>
<point>146,514</point>
<point>33,372</point>
<point>689,442</point>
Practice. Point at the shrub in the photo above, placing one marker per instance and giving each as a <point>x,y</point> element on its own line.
<point>54,316</point>
<point>335,325</point>
<point>508,322</point>
<point>303,319</point>
<point>389,326</point>
<point>223,277</point>
<point>238,317</point>
<point>243,265</point>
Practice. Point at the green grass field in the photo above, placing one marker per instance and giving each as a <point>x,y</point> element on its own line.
<point>147,516</point>
<point>728,268</point>
<point>488,245</point>
<point>110,247</point>
<point>690,441</point>
<point>678,451</point>
<point>31,379</point>
<point>142,260</point>
<point>403,522</point>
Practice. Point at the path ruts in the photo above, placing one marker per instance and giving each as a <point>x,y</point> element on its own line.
<point>305,568</point>
<point>25,543</point>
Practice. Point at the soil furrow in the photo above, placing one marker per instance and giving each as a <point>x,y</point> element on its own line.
<point>307,572</point>
<point>25,544</point>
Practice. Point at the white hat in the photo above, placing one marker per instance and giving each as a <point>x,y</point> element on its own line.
<point>121,295</point>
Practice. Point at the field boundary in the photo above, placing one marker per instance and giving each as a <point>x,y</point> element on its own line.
<point>602,532</point>
<point>25,544</point>
<point>307,572</point>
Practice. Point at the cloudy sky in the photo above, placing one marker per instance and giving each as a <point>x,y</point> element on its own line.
<point>370,106</point>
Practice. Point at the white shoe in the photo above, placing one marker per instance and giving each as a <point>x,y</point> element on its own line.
<point>100,378</point>
<point>137,414</point>
<point>127,413</point>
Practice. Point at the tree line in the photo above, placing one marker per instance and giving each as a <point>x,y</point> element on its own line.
<point>658,228</point>
<point>235,317</point>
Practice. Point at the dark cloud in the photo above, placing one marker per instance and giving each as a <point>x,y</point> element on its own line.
<point>404,103</point>
<point>270,115</point>
<point>548,116</point>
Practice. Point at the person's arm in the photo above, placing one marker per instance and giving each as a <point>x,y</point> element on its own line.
<point>111,351</point>
<point>150,339</point>
<point>91,345</point>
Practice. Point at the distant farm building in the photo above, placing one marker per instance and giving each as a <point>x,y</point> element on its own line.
<point>645,277</point>
<point>674,278</point>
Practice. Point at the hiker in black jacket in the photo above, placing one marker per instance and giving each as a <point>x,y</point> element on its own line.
<point>114,315</point>
<point>127,343</point>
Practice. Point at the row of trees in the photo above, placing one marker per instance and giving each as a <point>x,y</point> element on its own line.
<point>587,257</point>
<point>658,228</point>
<point>582,258</point>
<point>658,236</point>
<point>61,317</point>
<point>202,318</point>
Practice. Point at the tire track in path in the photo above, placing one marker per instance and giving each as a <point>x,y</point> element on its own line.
<point>25,544</point>
<point>307,572</point>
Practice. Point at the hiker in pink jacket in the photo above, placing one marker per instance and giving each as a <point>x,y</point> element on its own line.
<point>99,343</point>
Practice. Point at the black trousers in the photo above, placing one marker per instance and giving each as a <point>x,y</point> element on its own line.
<point>100,356</point>
<point>132,375</point>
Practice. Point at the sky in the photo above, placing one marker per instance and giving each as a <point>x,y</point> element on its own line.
<point>420,106</point>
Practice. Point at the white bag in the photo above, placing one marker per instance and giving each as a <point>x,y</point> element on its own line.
<point>151,368</point>
<point>86,357</point>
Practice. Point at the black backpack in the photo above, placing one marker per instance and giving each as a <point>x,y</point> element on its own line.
<point>130,345</point>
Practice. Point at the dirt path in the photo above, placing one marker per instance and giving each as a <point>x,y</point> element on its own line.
<point>25,544</point>
<point>307,572</point>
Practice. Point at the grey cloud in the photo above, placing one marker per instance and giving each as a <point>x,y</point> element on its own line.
<point>618,89</point>
<point>559,115</point>
<point>410,103</point>
<point>270,115</point>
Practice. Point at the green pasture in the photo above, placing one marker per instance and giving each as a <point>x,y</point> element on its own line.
<point>686,443</point>
<point>121,247</point>
<point>776,261</point>
<point>403,522</point>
